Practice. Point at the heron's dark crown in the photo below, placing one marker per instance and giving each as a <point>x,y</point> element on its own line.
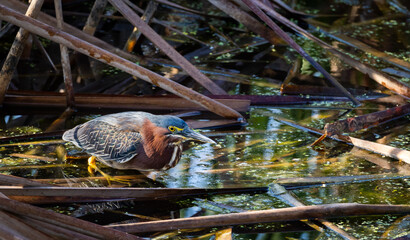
<point>163,121</point>
<point>166,121</point>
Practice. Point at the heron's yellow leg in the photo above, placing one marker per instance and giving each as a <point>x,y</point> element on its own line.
<point>92,167</point>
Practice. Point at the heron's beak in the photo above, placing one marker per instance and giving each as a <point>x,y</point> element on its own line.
<point>191,134</point>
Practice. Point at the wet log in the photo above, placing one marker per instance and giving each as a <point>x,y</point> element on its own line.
<point>105,56</point>
<point>44,53</point>
<point>381,161</point>
<point>21,7</point>
<point>60,181</point>
<point>13,180</point>
<point>369,50</point>
<point>392,100</point>
<point>271,100</point>
<point>119,102</point>
<point>65,58</point>
<point>94,18</point>
<point>119,193</point>
<point>35,139</point>
<point>278,191</point>
<point>354,124</point>
<point>60,121</point>
<point>136,34</point>
<point>162,102</point>
<point>21,229</point>
<point>247,20</point>
<point>396,153</point>
<point>274,215</point>
<point>57,232</point>
<point>376,75</point>
<point>202,13</point>
<point>397,72</point>
<point>205,203</point>
<point>386,150</point>
<point>327,91</point>
<point>274,100</point>
<point>16,50</point>
<point>148,32</point>
<point>8,233</point>
<point>14,227</point>
<point>253,6</point>
<point>254,99</point>
<point>51,196</point>
<point>60,220</point>
<point>164,23</point>
<point>42,200</point>
<point>293,71</point>
<point>302,182</point>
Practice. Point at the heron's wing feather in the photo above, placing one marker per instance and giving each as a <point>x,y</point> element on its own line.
<point>127,121</point>
<point>105,141</point>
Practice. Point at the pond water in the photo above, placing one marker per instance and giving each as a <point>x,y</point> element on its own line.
<point>254,156</point>
<point>267,150</point>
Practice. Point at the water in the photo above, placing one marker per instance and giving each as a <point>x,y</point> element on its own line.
<point>266,149</point>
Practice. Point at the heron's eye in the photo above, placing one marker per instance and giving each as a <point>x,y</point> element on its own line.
<point>175,129</point>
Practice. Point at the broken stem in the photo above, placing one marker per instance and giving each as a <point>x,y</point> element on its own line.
<point>299,49</point>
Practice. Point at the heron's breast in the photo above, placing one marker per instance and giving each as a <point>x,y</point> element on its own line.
<point>175,156</point>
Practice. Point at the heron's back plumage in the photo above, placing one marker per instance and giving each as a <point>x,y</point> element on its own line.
<point>105,141</point>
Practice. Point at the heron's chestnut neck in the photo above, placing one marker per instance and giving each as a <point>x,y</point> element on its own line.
<point>157,139</point>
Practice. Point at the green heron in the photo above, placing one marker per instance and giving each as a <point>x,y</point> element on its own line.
<point>133,140</point>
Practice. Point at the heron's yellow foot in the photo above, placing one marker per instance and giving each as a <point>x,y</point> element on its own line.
<point>92,168</point>
<point>92,165</point>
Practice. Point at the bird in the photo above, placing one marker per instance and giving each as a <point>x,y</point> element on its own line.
<point>133,140</point>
